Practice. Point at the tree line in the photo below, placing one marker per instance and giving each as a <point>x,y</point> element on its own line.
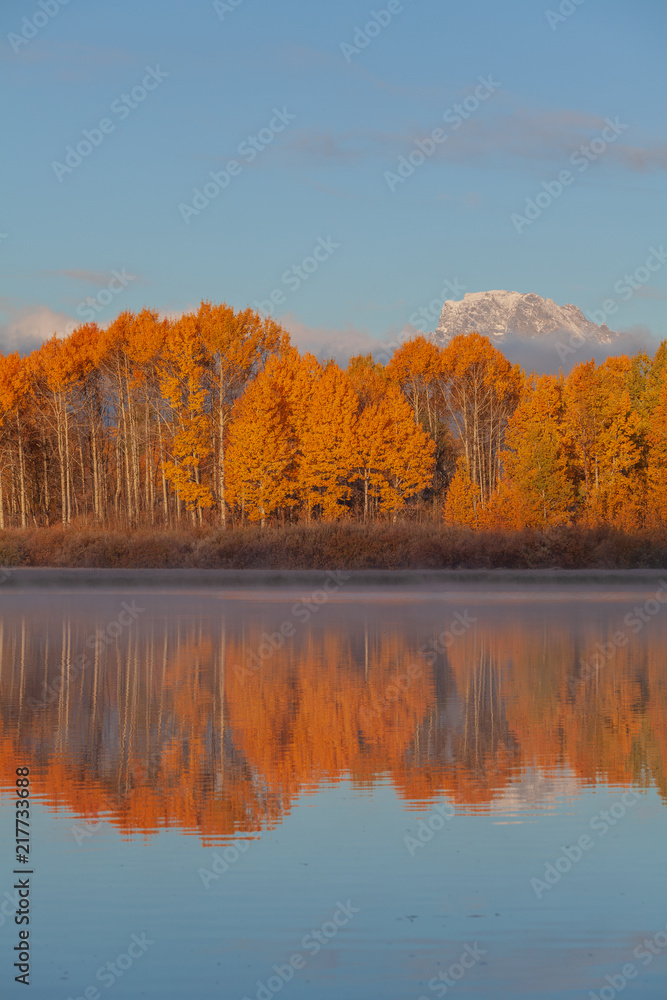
<point>215,417</point>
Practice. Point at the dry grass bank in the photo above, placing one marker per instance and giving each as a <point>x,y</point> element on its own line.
<point>334,546</point>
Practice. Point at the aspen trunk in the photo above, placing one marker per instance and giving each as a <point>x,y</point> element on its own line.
<point>165,499</point>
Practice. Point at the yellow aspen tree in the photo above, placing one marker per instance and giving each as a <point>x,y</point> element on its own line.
<point>184,386</point>
<point>133,358</point>
<point>656,376</point>
<point>479,389</point>
<point>606,434</point>
<point>620,494</point>
<point>239,345</point>
<point>260,454</point>
<point>55,369</point>
<point>417,366</point>
<point>394,455</point>
<point>462,502</point>
<point>536,463</point>
<point>656,515</point>
<point>15,398</point>
<point>367,377</point>
<point>296,375</point>
<point>327,445</point>
<point>583,419</point>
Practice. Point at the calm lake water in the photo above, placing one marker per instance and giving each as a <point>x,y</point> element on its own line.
<point>385,794</point>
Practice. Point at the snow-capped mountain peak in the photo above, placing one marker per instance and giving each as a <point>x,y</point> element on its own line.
<point>499,313</point>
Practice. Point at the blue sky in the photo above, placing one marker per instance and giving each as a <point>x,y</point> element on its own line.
<point>332,124</point>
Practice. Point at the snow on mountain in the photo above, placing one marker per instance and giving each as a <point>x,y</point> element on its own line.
<point>498,314</point>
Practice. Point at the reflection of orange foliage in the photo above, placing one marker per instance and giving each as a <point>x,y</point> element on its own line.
<point>311,718</point>
<point>177,731</point>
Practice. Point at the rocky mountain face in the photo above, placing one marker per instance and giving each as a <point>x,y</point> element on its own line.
<point>498,314</point>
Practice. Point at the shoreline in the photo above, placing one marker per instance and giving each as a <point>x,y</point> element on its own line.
<point>47,578</point>
<point>401,550</point>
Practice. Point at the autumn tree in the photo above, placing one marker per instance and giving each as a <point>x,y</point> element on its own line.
<point>15,391</point>
<point>261,450</point>
<point>394,460</point>
<point>57,369</point>
<point>238,345</point>
<point>327,444</point>
<point>462,503</point>
<point>131,361</point>
<point>184,386</point>
<point>538,488</point>
<point>605,430</point>
<point>479,390</point>
<point>417,366</point>
<point>656,507</point>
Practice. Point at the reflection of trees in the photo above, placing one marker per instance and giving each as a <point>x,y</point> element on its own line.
<point>464,746</point>
<point>160,729</point>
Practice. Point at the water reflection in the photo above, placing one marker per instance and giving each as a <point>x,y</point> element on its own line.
<point>213,716</point>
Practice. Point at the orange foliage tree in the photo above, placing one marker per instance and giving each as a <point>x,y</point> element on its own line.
<point>327,444</point>
<point>605,430</point>
<point>479,389</point>
<point>261,450</point>
<point>184,387</point>
<point>537,488</point>
<point>417,366</point>
<point>394,460</point>
<point>462,502</point>
<point>656,511</point>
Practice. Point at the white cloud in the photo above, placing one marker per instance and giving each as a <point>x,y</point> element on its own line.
<point>340,344</point>
<point>541,354</point>
<point>24,328</point>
